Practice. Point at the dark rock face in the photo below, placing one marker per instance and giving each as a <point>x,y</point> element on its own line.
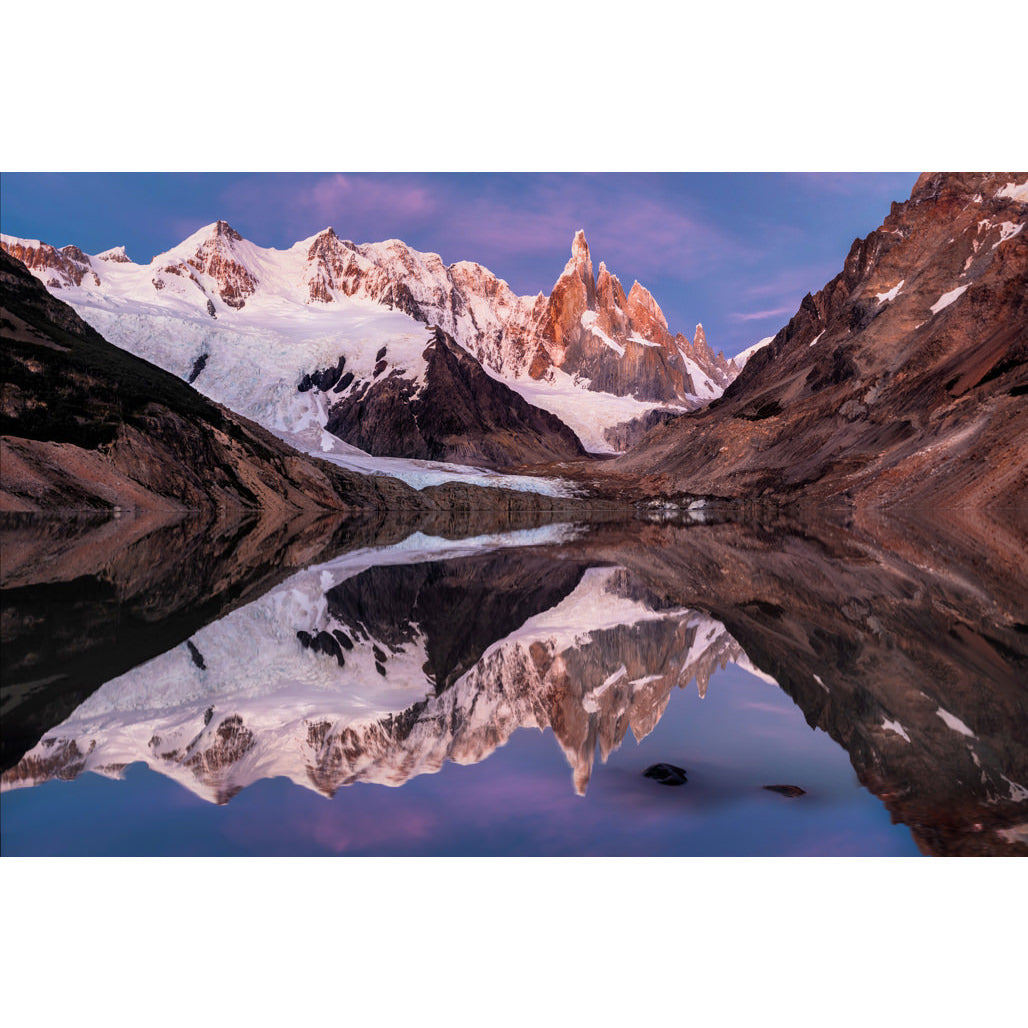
<point>666,774</point>
<point>460,606</point>
<point>899,382</point>
<point>626,434</point>
<point>198,365</point>
<point>325,379</point>
<point>460,415</point>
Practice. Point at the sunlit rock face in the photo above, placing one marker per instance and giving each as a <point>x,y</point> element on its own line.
<point>901,381</point>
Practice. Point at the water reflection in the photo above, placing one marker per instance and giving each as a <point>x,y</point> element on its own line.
<point>384,663</point>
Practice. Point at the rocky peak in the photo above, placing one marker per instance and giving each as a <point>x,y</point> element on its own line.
<point>646,316</point>
<point>216,256</point>
<point>116,254</point>
<point>573,294</point>
<point>223,230</point>
<point>942,185</point>
<point>700,339</point>
<point>333,265</point>
<point>580,248</point>
<point>65,267</point>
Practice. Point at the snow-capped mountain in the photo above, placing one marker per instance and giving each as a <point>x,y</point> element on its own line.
<point>741,359</point>
<point>360,670</point>
<point>325,344</point>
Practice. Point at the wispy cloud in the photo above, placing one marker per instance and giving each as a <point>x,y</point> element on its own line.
<point>776,312</point>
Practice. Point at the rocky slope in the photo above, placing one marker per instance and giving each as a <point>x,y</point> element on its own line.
<point>459,414</point>
<point>903,380</point>
<point>286,337</point>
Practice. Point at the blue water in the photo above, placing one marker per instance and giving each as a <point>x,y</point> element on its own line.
<point>743,735</point>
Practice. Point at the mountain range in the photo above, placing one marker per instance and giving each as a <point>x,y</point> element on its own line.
<point>900,381</point>
<point>325,344</point>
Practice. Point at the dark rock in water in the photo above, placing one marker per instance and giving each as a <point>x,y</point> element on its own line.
<point>787,790</point>
<point>666,774</point>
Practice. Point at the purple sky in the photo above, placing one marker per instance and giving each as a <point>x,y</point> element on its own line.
<point>736,252</point>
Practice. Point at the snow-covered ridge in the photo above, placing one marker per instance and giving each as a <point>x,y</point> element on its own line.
<point>741,359</point>
<point>245,324</point>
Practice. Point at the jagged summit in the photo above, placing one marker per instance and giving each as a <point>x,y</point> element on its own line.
<point>600,359</point>
<point>116,254</point>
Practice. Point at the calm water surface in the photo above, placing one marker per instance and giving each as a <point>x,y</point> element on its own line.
<point>346,690</point>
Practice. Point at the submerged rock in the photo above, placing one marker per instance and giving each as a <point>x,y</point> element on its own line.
<point>666,774</point>
<point>791,791</point>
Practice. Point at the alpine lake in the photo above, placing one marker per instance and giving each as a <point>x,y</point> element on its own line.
<point>679,684</point>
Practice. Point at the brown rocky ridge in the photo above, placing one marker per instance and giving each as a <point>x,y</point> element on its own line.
<point>460,414</point>
<point>901,381</point>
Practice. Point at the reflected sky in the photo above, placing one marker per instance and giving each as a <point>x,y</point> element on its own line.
<point>743,735</point>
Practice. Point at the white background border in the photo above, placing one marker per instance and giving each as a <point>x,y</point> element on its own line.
<point>532,87</point>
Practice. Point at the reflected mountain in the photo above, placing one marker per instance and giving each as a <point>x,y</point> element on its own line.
<point>86,599</point>
<point>904,641</point>
<point>347,672</point>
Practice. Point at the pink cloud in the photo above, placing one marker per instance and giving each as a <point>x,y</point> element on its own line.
<point>331,196</point>
<point>776,312</point>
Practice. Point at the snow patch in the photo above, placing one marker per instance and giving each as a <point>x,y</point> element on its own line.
<point>895,726</point>
<point>589,323</point>
<point>1015,191</point>
<point>586,412</point>
<point>889,295</point>
<point>743,356</point>
<point>817,338</point>
<point>947,298</point>
<point>1018,792</point>
<point>955,723</point>
<point>1007,230</point>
